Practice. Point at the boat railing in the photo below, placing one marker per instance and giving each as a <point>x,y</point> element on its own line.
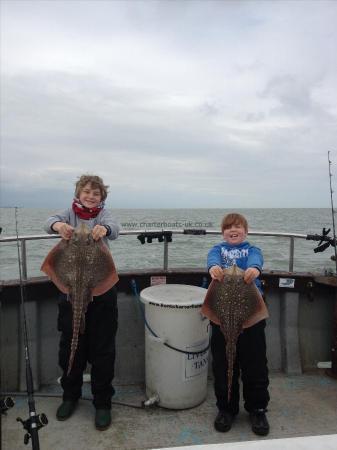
<point>165,233</point>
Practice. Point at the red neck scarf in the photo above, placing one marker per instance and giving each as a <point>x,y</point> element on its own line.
<point>86,213</point>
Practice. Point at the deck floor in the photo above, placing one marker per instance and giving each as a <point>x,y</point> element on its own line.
<point>302,405</point>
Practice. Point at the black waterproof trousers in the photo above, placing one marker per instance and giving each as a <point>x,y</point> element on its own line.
<point>250,362</point>
<point>96,346</point>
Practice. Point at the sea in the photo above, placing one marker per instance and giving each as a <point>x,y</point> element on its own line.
<point>185,250</point>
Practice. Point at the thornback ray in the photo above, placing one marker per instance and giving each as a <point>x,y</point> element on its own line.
<point>234,305</point>
<point>81,268</point>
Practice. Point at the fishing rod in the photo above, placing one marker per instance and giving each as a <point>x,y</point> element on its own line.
<point>35,421</point>
<point>332,210</point>
<point>324,239</point>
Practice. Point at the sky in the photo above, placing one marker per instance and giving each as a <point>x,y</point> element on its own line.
<point>175,104</point>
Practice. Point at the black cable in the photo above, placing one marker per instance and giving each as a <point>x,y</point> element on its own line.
<point>45,395</point>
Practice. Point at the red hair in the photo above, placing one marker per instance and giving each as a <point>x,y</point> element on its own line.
<point>234,219</point>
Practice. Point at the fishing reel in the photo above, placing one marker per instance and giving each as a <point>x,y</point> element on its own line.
<point>35,422</point>
<point>324,240</point>
<point>5,404</point>
<point>150,235</point>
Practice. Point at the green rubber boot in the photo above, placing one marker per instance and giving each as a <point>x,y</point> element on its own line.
<point>65,410</point>
<point>102,419</point>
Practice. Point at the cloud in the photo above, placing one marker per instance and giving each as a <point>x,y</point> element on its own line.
<point>181,104</point>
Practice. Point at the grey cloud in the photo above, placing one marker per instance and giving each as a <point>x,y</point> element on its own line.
<point>60,110</point>
<point>293,95</point>
<point>173,103</point>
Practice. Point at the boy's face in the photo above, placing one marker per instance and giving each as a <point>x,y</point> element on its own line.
<point>89,197</point>
<point>235,234</point>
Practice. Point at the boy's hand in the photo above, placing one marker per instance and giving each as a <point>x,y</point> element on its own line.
<point>216,273</point>
<point>98,232</point>
<point>64,229</point>
<point>250,274</point>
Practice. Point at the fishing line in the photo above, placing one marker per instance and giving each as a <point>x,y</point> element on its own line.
<point>35,421</point>
<point>6,402</point>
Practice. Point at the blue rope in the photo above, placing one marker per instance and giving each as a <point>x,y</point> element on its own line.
<point>141,307</point>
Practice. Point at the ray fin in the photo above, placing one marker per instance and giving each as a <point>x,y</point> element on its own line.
<point>48,266</point>
<point>260,313</point>
<point>206,308</point>
<point>110,277</point>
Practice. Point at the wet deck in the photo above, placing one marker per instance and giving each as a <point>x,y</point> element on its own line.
<point>301,405</point>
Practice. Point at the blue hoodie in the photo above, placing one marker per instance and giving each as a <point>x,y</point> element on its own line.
<point>243,255</point>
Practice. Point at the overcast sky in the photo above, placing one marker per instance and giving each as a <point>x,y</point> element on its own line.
<point>174,103</point>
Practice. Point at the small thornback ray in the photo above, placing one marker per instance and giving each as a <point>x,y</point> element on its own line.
<point>234,305</point>
<point>81,268</point>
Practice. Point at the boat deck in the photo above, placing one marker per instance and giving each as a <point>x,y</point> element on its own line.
<point>301,406</point>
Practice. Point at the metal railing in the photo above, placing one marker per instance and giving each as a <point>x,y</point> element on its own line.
<point>23,240</point>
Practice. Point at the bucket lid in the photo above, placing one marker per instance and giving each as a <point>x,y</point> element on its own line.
<point>174,295</point>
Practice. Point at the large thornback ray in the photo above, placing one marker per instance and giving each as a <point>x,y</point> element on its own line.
<point>234,305</point>
<point>81,268</point>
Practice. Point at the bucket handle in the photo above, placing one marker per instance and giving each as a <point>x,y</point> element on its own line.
<point>136,294</point>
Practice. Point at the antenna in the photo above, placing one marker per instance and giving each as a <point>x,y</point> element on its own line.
<point>332,211</point>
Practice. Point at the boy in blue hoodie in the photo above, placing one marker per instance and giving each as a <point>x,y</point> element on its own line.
<point>251,357</point>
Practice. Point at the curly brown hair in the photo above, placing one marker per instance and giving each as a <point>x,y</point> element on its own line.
<point>234,219</point>
<point>95,181</point>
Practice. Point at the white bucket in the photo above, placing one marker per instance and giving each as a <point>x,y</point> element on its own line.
<point>172,311</point>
